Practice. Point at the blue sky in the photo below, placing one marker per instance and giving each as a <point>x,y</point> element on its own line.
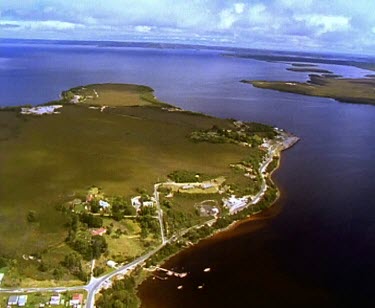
<point>334,25</point>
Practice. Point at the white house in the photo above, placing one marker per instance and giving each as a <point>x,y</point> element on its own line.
<point>111,263</point>
<point>22,300</point>
<point>13,300</point>
<point>104,204</point>
<point>136,202</point>
<point>55,299</point>
<point>234,203</point>
<point>207,185</point>
<point>1,277</point>
<point>148,203</point>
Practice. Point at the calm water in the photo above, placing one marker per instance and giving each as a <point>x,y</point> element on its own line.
<point>317,245</point>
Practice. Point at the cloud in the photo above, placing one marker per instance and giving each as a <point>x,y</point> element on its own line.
<point>239,7</point>
<point>143,29</point>
<point>246,23</point>
<point>325,23</point>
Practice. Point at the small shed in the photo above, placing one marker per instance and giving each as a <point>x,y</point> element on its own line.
<point>12,300</point>
<point>22,300</point>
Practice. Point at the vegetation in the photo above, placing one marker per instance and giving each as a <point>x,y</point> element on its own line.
<point>360,90</point>
<point>306,60</point>
<point>249,133</point>
<point>308,70</point>
<point>184,176</point>
<point>122,294</point>
<point>113,95</point>
<point>115,149</point>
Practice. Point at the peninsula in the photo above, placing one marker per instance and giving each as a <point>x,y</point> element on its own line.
<point>350,90</point>
<point>109,180</point>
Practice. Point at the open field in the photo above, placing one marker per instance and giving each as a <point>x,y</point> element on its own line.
<point>114,95</point>
<point>48,160</point>
<point>360,91</point>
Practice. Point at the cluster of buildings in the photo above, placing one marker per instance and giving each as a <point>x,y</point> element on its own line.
<point>17,300</point>
<point>40,110</point>
<point>234,204</point>
<point>203,186</point>
<point>137,202</point>
<point>76,301</point>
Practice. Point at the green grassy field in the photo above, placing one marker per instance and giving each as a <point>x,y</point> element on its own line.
<point>48,160</point>
<point>360,91</point>
<point>114,95</point>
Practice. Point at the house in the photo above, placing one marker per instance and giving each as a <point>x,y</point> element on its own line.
<point>55,299</point>
<point>136,202</point>
<point>111,263</point>
<point>187,187</point>
<point>76,300</point>
<point>207,185</point>
<point>22,300</point>
<point>104,204</point>
<point>148,203</point>
<point>1,277</point>
<point>233,203</point>
<point>12,300</point>
<point>99,231</point>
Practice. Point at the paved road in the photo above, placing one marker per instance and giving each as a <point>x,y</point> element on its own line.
<point>160,212</point>
<point>96,284</point>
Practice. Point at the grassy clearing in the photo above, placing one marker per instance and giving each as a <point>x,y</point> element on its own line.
<point>114,95</point>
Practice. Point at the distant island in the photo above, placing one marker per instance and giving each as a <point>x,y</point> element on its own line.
<point>350,90</point>
<point>108,180</point>
<point>308,70</point>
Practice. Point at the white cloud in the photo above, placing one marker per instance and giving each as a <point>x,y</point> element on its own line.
<point>239,7</point>
<point>325,23</point>
<point>258,14</point>
<point>43,25</point>
<point>143,29</point>
<point>227,19</point>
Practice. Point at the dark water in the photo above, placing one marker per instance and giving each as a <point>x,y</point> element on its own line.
<point>316,246</point>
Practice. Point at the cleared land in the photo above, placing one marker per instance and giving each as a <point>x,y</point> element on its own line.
<point>113,95</point>
<point>49,160</point>
<point>358,91</point>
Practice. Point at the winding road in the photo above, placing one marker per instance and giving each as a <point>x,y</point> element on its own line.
<point>96,284</point>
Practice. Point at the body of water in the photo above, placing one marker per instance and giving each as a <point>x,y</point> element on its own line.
<point>316,245</point>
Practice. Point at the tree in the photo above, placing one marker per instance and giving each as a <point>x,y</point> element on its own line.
<point>72,262</point>
<point>95,206</point>
<point>99,246</point>
<point>31,216</point>
<point>3,262</point>
<point>58,273</point>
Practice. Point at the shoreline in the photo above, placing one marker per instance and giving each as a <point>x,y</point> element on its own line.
<point>253,217</point>
<point>256,203</point>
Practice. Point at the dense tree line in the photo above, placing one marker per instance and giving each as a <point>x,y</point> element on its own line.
<point>122,294</point>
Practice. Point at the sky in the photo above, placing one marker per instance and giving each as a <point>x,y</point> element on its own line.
<point>306,25</point>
